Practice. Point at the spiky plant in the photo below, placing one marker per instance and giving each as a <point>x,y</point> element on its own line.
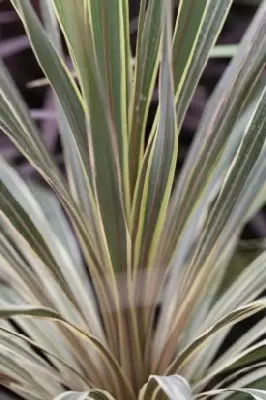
<point>118,283</point>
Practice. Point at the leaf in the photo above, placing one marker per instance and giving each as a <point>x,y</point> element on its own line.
<point>29,311</point>
<point>247,357</point>
<point>102,69</point>
<point>22,223</point>
<point>224,51</point>
<point>96,394</point>
<point>104,140</point>
<point>249,284</point>
<point>71,103</point>
<point>27,393</point>
<point>244,288</point>
<point>223,219</point>
<point>191,16</point>
<point>16,123</point>
<point>77,179</point>
<point>247,154</point>
<point>253,380</point>
<point>246,375</point>
<point>110,33</point>
<point>35,234</point>
<point>60,294</point>
<point>58,76</point>
<point>230,319</point>
<point>54,340</point>
<point>90,394</point>
<point>8,334</point>
<point>93,245</point>
<point>199,317</point>
<point>155,182</point>
<point>191,51</point>
<point>57,222</point>
<point>193,227</point>
<point>209,27</point>
<point>245,253</point>
<point>8,311</point>
<point>145,72</point>
<point>11,366</point>
<point>222,111</point>
<point>73,396</point>
<point>174,386</point>
<point>198,53</point>
<point>254,393</point>
<point>157,173</point>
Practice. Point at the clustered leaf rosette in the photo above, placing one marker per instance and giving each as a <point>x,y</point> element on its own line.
<point>116,281</point>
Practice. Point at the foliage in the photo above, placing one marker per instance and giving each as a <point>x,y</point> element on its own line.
<point>119,283</point>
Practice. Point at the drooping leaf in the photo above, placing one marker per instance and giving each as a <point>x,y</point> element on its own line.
<point>174,386</point>
<point>30,311</point>
<point>229,320</point>
<point>254,393</point>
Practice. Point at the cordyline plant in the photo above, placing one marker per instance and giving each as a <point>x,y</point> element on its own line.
<point>118,283</point>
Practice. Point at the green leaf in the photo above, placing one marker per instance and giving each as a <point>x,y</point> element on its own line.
<point>145,72</point>
<point>245,253</point>
<point>245,287</point>
<point>230,319</point>
<point>190,18</point>
<point>254,393</point>
<point>59,77</point>
<point>74,168</point>
<point>157,173</point>
<point>155,181</point>
<point>246,157</point>
<point>110,32</point>
<point>200,48</point>
<point>17,127</point>
<point>210,27</point>
<point>145,252</point>
<point>222,215</point>
<point>16,123</point>
<point>77,179</point>
<point>29,311</point>
<point>109,172</point>
<point>96,394</point>
<point>224,51</point>
<point>249,284</point>
<point>223,109</point>
<point>199,317</point>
